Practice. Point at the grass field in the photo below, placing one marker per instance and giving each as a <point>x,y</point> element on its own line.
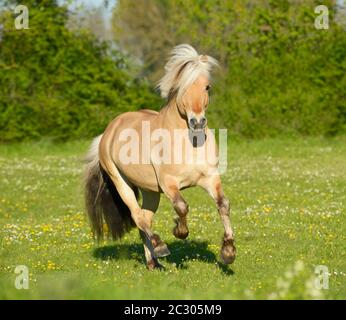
<point>288,212</point>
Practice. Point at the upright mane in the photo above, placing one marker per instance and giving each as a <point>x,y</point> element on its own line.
<point>184,66</point>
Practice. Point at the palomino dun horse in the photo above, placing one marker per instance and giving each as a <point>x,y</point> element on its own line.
<point>113,177</point>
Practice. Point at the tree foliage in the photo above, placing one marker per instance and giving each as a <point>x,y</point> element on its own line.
<point>59,83</point>
<point>279,74</point>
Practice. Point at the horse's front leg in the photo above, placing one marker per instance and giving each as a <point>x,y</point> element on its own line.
<point>212,184</point>
<point>171,189</point>
<point>180,230</point>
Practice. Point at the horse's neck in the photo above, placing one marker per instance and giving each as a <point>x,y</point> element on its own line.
<point>171,117</point>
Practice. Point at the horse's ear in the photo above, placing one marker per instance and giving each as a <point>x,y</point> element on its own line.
<point>203,58</point>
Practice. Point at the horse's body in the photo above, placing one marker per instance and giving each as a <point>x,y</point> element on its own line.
<point>173,158</point>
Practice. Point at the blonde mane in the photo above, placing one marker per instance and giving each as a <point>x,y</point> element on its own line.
<point>184,66</point>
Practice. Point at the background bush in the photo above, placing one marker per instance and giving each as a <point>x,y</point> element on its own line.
<point>279,75</point>
<point>59,83</point>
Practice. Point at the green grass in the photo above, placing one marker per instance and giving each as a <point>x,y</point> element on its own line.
<point>288,212</point>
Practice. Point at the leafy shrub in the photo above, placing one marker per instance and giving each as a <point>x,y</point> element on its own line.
<point>58,83</point>
<point>279,75</point>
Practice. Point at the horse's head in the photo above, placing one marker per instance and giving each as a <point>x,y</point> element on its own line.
<point>194,103</point>
<point>187,83</point>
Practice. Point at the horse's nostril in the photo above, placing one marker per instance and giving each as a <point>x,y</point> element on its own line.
<point>193,122</point>
<point>203,122</point>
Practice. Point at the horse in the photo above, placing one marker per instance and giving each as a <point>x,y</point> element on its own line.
<point>121,165</point>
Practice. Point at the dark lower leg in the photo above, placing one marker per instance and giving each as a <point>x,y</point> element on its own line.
<point>144,224</point>
<point>154,264</point>
<point>152,261</point>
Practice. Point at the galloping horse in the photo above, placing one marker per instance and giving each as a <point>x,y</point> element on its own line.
<point>121,163</point>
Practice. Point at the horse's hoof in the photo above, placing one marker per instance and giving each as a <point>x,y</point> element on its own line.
<point>161,250</point>
<point>154,264</point>
<point>180,231</point>
<point>228,251</point>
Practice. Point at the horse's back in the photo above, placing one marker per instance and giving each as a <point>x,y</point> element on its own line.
<point>133,118</point>
<point>148,111</point>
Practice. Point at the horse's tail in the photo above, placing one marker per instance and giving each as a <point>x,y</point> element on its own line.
<point>107,212</point>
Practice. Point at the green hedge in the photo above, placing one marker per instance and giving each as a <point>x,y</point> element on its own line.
<point>58,83</point>
<point>289,80</point>
<point>279,75</point>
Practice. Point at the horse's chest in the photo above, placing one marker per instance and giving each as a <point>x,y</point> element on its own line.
<point>195,166</point>
<point>190,175</point>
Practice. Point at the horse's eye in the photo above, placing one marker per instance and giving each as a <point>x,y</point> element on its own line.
<point>207,87</point>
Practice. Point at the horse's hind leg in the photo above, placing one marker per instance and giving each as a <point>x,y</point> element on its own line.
<point>141,217</point>
<point>150,257</point>
<point>157,249</point>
